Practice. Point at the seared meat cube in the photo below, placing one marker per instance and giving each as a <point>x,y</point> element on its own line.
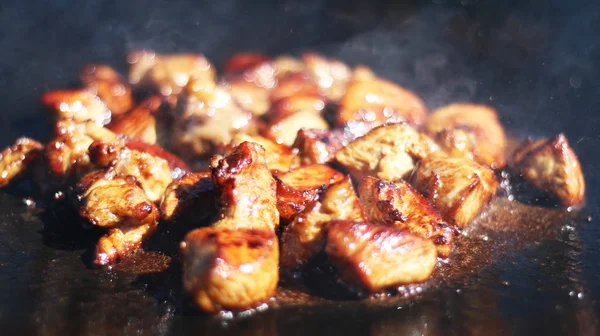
<point>294,84</point>
<point>376,257</point>
<point>370,103</point>
<point>120,205</point>
<point>318,146</point>
<point>110,86</point>
<point>79,105</point>
<point>400,206</point>
<point>15,160</point>
<point>178,167</point>
<point>305,236</point>
<point>283,130</point>
<point>387,152</point>
<point>279,157</point>
<point>553,167</point>
<point>476,127</point>
<point>140,123</point>
<point>233,269</point>
<point>190,198</point>
<point>169,73</point>
<point>458,188</point>
<point>331,75</point>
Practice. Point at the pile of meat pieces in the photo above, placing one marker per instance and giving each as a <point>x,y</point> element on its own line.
<point>306,157</point>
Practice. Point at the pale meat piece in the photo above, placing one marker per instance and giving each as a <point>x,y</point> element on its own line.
<point>120,205</point>
<point>552,166</point>
<point>292,84</point>
<point>388,152</point>
<point>331,75</point>
<point>305,236</point>
<point>370,103</point>
<point>189,199</point>
<point>110,86</point>
<point>232,269</point>
<point>169,73</point>
<point>140,123</point>
<point>318,146</point>
<point>374,257</point>
<point>278,157</point>
<point>400,206</point>
<point>15,160</point>
<point>458,188</point>
<point>211,119</point>
<point>474,126</point>
<point>79,105</point>
<point>283,130</point>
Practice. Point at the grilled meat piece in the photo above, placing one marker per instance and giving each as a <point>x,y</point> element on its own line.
<point>331,75</point>
<point>318,146</point>
<point>110,86</point>
<point>140,123</point>
<point>283,130</point>
<point>376,257</point>
<point>279,157</point>
<point>286,65</point>
<point>458,188</point>
<point>78,104</point>
<point>305,236</point>
<point>169,73</point>
<point>242,61</point>
<point>552,166</point>
<point>294,84</point>
<point>252,87</point>
<point>119,204</point>
<point>15,160</point>
<point>178,167</point>
<point>400,206</point>
<point>190,198</point>
<point>469,130</point>
<point>387,152</point>
<point>299,102</point>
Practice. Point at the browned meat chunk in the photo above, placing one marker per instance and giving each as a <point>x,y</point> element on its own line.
<point>120,205</point>
<point>305,236</point>
<point>79,105</point>
<point>297,103</point>
<point>294,84</point>
<point>400,206</point>
<point>140,123</point>
<point>284,129</point>
<point>458,188</point>
<point>110,86</point>
<point>178,167</point>
<point>15,160</point>
<point>387,152</point>
<point>240,62</point>
<point>190,198</point>
<point>318,146</point>
<point>169,73</point>
<point>252,87</point>
<point>553,167</point>
<point>469,130</point>
<point>279,157</point>
<point>331,75</point>
<point>376,257</point>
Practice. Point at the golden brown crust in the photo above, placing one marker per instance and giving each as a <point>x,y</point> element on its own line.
<point>293,84</point>
<point>190,198</point>
<point>78,104</point>
<point>140,123</point>
<point>278,157</point>
<point>110,86</point>
<point>318,146</point>
<point>298,102</point>
<point>14,160</point>
<point>284,129</point>
<point>331,75</point>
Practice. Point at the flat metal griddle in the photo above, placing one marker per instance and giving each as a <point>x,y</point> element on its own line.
<point>539,270</point>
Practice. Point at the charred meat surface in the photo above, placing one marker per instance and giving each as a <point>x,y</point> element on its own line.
<point>189,199</point>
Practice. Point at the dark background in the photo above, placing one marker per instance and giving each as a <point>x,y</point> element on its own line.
<point>537,62</point>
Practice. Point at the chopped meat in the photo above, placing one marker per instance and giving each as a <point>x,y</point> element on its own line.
<point>318,146</point>
<point>178,167</point>
<point>242,61</point>
<point>331,75</point>
<point>190,198</point>
<point>286,65</point>
<point>457,187</point>
<point>79,105</point>
<point>400,206</point>
<point>110,86</point>
<point>279,157</point>
<point>293,84</point>
<point>370,103</point>
<point>15,160</point>
<point>305,236</point>
<point>387,152</point>
<point>376,257</point>
<point>120,205</point>
<point>552,166</point>
<point>252,87</point>
<point>140,123</point>
<point>297,103</point>
<point>169,73</point>
<point>284,129</point>
<point>473,126</point>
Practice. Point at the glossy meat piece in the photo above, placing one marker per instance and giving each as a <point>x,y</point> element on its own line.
<point>140,123</point>
<point>242,61</point>
<point>305,236</point>
<point>297,103</point>
<point>470,125</point>
<point>178,167</point>
<point>458,188</point>
<point>370,103</point>
<point>278,157</point>
<point>120,205</point>
<point>77,104</point>
<point>553,167</point>
<point>252,87</point>
<point>168,73</point>
<point>283,130</point>
<point>15,160</point>
<point>110,86</point>
<point>363,73</point>
<point>318,146</point>
<point>292,84</point>
<point>331,75</point>
<point>400,206</point>
<point>189,199</point>
<point>232,269</point>
<point>376,257</point>
<point>387,152</point>
<point>286,65</point>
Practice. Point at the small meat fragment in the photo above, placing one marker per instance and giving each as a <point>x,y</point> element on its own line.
<point>190,198</point>
<point>283,130</point>
<point>400,206</point>
<point>370,103</point>
<point>110,86</point>
<point>331,75</point>
<point>15,160</point>
<point>242,61</point>
<point>469,130</point>
<point>79,105</point>
<point>140,123</point>
<point>120,205</point>
<point>169,73</point>
<point>279,157</point>
<point>233,269</point>
<point>293,84</point>
<point>458,188</point>
<point>376,257</point>
<point>301,186</point>
<point>553,167</point>
<point>388,152</point>
<point>318,146</point>
<point>305,236</point>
